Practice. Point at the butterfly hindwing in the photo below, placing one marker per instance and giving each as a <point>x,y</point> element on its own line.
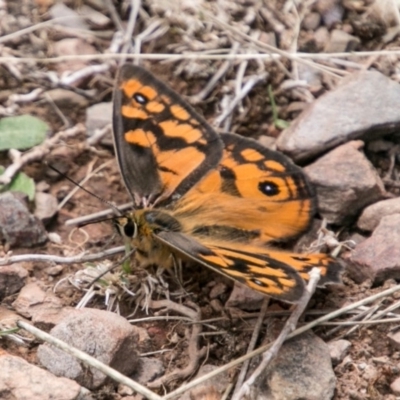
<point>163,146</point>
<point>265,274</point>
<point>266,197</point>
<point>273,272</point>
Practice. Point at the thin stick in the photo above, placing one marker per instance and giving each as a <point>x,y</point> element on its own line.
<point>250,347</point>
<point>222,70</point>
<point>253,80</point>
<point>114,15</point>
<point>194,353</point>
<point>135,6</point>
<point>88,360</point>
<point>272,49</point>
<point>201,56</point>
<point>290,325</point>
<point>298,331</point>
<point>98,215</point>
<point>154,30</point>
<point>80,258</point>
<point>370,312</point>
<point>366,322</point>
<point>30,29</point>
<point>354,319</point>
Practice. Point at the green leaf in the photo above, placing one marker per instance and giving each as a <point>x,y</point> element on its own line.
<point>22,132</point>
<point>20,183</point>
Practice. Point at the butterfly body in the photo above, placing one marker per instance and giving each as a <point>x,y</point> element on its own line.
<point>142,227</point>
<point>221,201</point>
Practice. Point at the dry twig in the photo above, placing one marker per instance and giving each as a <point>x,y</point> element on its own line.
<point>250,347</point>
<point>288,328</point>
<point>195,354</point>
<point>80,258</point>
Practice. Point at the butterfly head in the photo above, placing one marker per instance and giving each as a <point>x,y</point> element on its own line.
<point>141,227</point>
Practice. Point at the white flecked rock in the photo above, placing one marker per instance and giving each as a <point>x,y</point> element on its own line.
<point>104,335</point>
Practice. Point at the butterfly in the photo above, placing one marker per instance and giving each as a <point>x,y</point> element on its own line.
<point>220,200</point>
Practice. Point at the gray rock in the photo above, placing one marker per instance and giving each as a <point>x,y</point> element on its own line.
<point>378,257</point>
<point>12,279</point>
<point>104,335</point>
<point>302,370</point>
<point>321,37</point>
<point>244,298</point>
<point>345,182</point>
<point>70,18</point>
<point>71,47</point>
<point>340,42</point>
<point>96,18</point>
<point>219,289</point>
<point>311,21</point>
<point>338,350</point>
<point>395,386</point>
<point>67,99</point>
<point>97,117</point>
<point>212,389</point>
<point>21,380</point>
<point>331,11</point>
<point>372,215</point>
<point>18,227</point>
<point>149,369</point>
<point>365,106</point>
<point>394,339</point>
<point>43,307</point>
<point>45,206</point>
<point>33,296</point>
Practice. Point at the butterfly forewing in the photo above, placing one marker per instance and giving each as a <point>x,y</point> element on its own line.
<point>163,146</point>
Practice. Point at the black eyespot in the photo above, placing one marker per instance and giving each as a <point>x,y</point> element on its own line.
<point>268,188</point>
<point>138,97</point>
<point>130,229</point>
<point>226,173</point>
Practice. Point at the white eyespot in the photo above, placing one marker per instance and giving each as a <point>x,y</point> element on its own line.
<point>140,98</point>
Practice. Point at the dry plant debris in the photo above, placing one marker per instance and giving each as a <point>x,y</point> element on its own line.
<point>228,58</point>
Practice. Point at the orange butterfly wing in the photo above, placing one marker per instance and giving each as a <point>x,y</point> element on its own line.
<point>256,195</point>
<point>261,273</point>
<point>272,272</point>
<point>163,146</point>
<point>226,196</point>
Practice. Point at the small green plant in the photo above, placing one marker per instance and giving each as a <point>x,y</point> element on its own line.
<point>279,123</point>
<point>20,183</point>
<point>22,132</point>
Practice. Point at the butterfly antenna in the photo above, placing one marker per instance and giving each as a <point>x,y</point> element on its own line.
<point>85,190</point>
